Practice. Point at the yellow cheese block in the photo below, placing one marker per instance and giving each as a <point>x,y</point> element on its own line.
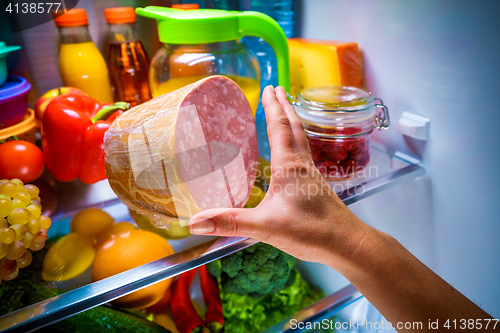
<point>315,62</point>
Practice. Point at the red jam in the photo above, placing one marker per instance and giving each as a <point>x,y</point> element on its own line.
<point>340,158</point>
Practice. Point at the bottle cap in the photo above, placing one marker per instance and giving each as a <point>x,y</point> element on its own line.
<point>186,6</point>
<point>72,18</point>
<point>119,15</point>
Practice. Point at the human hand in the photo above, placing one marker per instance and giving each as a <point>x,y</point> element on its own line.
<point>300,213</point>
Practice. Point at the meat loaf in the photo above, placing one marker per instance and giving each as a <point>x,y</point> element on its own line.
<point>186,151</point>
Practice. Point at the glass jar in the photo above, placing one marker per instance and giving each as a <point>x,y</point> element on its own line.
<point>176,65</point>
<point>338,121</point>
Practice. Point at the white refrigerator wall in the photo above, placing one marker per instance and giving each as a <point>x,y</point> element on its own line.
<point>439,59</point>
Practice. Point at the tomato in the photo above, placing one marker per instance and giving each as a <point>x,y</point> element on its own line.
<point>20,159</point>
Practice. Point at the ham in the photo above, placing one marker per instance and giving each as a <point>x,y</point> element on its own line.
<point>186,151</point>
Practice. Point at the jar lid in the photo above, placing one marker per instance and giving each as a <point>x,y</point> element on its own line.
<point>14,86</point>
<point>4,50</point>
<point>335,98</point>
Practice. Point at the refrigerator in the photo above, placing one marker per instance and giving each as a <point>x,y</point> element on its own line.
<point>438,60</point>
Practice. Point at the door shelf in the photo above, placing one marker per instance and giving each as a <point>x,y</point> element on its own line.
<point>385,170</point>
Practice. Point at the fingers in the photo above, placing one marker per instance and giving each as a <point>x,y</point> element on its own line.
<point>279,131</point>
<point>299,135</point>
<point>229,222</point>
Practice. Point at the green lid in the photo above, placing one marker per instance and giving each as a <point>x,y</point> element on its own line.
<point>203,26</point>
<point>4,50</point>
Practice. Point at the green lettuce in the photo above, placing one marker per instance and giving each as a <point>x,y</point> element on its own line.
<point>245,314</point>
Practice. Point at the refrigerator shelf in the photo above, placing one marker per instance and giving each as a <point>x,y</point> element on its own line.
<point>385,170</point>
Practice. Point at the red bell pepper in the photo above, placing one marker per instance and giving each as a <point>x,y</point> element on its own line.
<point>73,136</point>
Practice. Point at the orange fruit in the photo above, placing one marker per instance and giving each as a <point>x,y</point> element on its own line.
<point>91,221</point>
<point>128,250</point>
<point>162,305</point>
<point>113,230</point>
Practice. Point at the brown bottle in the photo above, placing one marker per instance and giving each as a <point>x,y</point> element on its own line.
<point>128,62</point>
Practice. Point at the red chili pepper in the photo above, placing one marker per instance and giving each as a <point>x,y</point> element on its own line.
<point>73,137</point>
<point>214,317</point>
<point>186,319</point>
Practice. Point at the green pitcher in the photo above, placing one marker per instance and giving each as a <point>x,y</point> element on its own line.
<point>203,42</point>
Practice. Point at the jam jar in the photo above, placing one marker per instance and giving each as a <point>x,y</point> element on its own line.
<point>338,121</point>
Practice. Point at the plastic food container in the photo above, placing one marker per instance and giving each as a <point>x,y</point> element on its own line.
<point>24,130</point>
<point>4,51</point>
<point>338,121</point>
<point>13,100</point>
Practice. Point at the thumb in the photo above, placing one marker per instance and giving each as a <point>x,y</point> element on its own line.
<point>229,222</point>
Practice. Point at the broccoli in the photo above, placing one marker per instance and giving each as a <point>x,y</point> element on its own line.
<point>16,294</point>
<point>256,271</point>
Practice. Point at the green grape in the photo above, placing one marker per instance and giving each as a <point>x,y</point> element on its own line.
<point>3,181</point>
<point>2,262</point>
<point>40,236</point>
<point>18,182</point>
<point>36,246</point>
<point>9,270</point>
<point>45,222</point>
<point>16,250</point>
<point>3,196</point>
<point>3,223</point>
<point>34,211</point>
<point>37,198</point>
<point>5,207</point>
<point>25,259</point>
<point>9,189</point>
<point>19,216</point>
<point>24,197</point>
<point>32,190</point>
<point>33,226</point>
<point>35,203</point>
<point>7,235</point>
<point>20,231</point>
<point>4,249</point>
<point>27,240</point>
<point>17,203</point>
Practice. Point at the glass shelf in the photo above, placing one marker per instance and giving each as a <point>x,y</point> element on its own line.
<point>385,170</point>
<point>343,311</point>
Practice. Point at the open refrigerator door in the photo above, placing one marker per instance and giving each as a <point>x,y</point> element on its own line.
<point>397,164</point>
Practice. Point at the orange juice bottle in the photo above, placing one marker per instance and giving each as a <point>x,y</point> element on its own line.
<point>80,63</point>
<point>127,60</point>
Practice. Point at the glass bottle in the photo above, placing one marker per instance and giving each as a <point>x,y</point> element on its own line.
<point>80,63</point>
<point>127,59</point>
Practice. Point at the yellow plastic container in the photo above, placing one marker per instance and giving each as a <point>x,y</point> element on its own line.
<point>24,130</point>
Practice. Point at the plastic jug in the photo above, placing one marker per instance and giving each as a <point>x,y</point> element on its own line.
<point>204,42</point>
